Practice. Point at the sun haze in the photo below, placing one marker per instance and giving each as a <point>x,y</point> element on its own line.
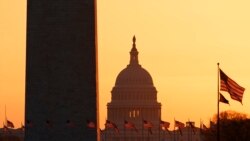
<point>179,43</point>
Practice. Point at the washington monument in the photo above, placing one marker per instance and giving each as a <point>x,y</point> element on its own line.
<point>61,73</point>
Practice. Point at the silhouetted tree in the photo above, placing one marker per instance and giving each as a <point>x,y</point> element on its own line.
<point>234,126</point>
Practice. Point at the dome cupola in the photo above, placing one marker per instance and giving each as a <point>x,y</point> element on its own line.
<point>134,74</point>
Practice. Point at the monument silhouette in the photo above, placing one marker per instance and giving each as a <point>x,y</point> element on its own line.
<point>61,73</point>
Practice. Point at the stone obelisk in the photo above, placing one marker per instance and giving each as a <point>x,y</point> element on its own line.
<point>61,71</point>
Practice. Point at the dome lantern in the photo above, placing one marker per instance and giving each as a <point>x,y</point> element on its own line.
<point>134,74</point>
<point>134,54</point>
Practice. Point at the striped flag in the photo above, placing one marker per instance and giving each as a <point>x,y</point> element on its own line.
<point>179,124</point>
<point>165,124</point>
<point>223,99</point>
<point>90,124</point>
<point>10,124</point>
<point>191,124</point>
<point>230,86</point>
<point>110,124</point>
<point>204,127</point>
<point>129,125</point>
<point>147,124</point>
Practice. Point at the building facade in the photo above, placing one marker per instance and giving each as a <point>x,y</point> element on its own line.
<point>134,113</point>
<point>133,103</point>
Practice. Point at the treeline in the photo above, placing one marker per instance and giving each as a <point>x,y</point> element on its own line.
<point>234,126</point>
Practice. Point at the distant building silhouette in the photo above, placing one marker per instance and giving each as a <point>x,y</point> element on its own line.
<point>134,113</point>
<point>134,100</point>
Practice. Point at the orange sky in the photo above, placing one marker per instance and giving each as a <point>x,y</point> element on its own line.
<point>179,43</point>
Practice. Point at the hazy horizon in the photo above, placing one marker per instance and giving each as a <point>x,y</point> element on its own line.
<point>179,43</point>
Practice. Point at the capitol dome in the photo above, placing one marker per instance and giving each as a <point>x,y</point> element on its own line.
<point>134,74</point>
<point>133,99</point>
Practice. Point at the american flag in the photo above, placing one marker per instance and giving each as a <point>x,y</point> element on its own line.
<point>191,124</point>
<point>165,124</point>
<point>10,124</point>
<point>129,125</point>
<point>90,124</point>
<point>230,86</point>
<point>223,99</point>
<point>147,124</point>
<point>110,124</point>
<point>179,124</point>
<point>204,127</point>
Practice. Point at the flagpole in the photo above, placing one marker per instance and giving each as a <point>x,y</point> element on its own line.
<point>159,129</point>
<point>174,129</point>
<point>105,129</point>
<point>188,130</point>
<point>148,134</point>
<point>159,133</point>
<point>200,130</point>
<point>105,135</point>
<point>5,116</point>
<point>124,132</point>
<point>142,129</point>
<point>218,104</point>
